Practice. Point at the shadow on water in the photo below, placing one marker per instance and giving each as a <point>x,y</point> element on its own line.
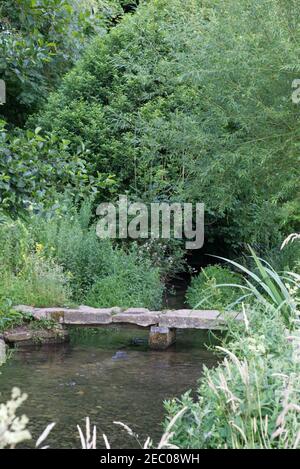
<point>103,376</point>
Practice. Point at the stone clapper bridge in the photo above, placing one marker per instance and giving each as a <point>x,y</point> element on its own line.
<point>162,324</point>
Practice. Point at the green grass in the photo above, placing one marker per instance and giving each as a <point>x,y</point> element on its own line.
<point>268,287</point>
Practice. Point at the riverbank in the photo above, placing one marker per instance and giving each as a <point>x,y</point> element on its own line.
<point>251,400</point>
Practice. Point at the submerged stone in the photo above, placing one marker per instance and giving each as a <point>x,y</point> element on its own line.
<point>138,341</point>
<point>120,356</point>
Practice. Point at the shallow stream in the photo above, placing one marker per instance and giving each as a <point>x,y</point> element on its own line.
<point>104,376</point>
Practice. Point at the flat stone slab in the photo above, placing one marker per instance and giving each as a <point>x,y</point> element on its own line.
<point>54,314</point>
<point>193,319</point>
<point>88,316</point>
<point>84,315</point>
<point>25,309</point>
<point>138,316</point>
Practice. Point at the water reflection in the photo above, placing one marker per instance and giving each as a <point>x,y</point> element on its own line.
<point>129,384</point>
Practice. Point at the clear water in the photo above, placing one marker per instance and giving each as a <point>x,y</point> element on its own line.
<point>102,376</point>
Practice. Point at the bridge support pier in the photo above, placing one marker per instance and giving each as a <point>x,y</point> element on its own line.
<point>160,338</point>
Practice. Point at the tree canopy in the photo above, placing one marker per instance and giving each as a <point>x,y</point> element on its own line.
<point>194,104</point>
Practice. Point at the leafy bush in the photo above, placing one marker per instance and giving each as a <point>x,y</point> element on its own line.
<point>8,316</point>
<point>182,98</point>
<point>133,282</point>
<point>99,272</point>
<point>39,41</point>
<point>48,261</point>
<point>35,166</point>
<point>26,276</point>
<point>69,238</point>
<point>205,292</point>
<point>168,255</point>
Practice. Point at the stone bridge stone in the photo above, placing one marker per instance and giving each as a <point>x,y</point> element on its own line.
<point>160,338</point>
<point>88,316</point>
<point>139,316</point>
<point>193,319</point>
<point>163,324</point>
<point>178,319</point>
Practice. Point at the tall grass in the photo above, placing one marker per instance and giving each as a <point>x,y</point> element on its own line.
<point>40,283</point>
<point>14,429</point>
<point>55,259</point>
<point>266,286</point>
<point>26,275</point>
<point>251,400</point>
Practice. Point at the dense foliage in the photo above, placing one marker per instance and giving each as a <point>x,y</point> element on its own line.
<point>94,264</point>
<point>34,166</point>
<point>194,104</point>
<point>39,41</point>
<point>60,260</point>
<point>163,100</point>
<point>208,290</point>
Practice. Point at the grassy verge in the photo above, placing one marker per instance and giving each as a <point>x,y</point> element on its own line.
<point>58,260</point>
<point>251,400</point>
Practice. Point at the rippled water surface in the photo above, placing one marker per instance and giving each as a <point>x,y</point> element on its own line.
<point>106,378</point>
